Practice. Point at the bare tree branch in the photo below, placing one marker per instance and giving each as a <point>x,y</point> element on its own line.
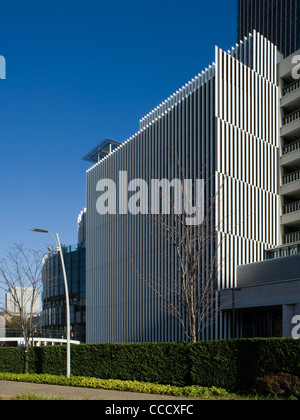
<point>20,279</point>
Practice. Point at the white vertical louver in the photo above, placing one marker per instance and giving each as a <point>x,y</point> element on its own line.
<point>247,139</point>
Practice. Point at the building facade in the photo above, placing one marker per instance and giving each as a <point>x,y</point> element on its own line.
<point>290,155</point>
<point>81,227</point>
<point>267,295</point>
<point>277,20</point>
<point>53,316</point>
<point>266,300</point>
<point>223,127</point>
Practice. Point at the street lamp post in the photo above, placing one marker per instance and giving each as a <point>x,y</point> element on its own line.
<point>59,250</point>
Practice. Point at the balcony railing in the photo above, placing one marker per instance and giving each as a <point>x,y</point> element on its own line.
<point>12,333</point>
<point>291,147</point>
<point>292,117</point>
<point>291,88</point>
<point>295,176</point>
<point>291,208</point>
<point>291,238</point>
<point>287,251</point>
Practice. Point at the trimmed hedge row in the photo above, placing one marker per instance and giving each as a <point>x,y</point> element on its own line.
<point>230,364</point>
<point>236,364</point>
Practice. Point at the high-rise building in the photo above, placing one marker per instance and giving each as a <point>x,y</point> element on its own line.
<point>226,121</point>
<point>290,156</point>
<point>2,326</point>
<point>277,20</point>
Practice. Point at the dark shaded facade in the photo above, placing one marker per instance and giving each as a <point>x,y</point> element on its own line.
<point>266,299</point>
<point>277,20</point>
<point>54,302</point>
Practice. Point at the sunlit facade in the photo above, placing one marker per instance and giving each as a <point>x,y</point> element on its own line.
<point>226,121</point>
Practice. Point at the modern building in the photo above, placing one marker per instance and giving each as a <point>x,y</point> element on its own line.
<point>267,295</point>
<point>290,155</point>
<point>277,20</point>
<point>223,126</point>
<point>53,317</point>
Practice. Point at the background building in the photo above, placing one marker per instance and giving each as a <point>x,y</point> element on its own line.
<point>226,121</point>
<point>81,227</point>
<point>21,297</point>
<point>2,326</point>
<point>277,20</point>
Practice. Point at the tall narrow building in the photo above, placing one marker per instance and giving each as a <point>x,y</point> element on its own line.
<point>226,121</point>
<point>277,20</point>
<point>290,157</point>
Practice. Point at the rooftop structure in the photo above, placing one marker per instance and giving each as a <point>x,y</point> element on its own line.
<point>102,150</point>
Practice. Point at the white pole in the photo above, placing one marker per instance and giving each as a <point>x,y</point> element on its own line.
<point>67,296</point>
<point>67,308</point>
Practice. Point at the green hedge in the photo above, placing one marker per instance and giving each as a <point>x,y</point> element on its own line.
<point>236,364</point>
<point>230,364</point>
<point>163,363</point>
<point>11,360</point>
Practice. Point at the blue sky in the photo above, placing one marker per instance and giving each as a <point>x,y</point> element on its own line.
<point>78,72</point>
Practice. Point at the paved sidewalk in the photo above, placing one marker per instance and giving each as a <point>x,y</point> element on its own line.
<point>9,389</point>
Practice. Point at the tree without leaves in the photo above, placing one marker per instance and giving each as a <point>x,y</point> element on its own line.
<point>190,292</point>
<point>20,275</point>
